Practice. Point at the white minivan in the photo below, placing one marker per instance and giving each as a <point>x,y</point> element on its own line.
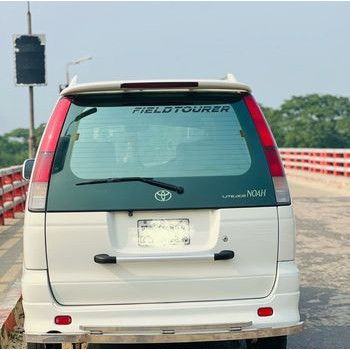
<point>159,212</point>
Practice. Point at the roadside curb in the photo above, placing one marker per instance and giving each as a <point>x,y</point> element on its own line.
<point>10,312</point>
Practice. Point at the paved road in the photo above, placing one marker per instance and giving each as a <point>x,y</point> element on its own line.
<point>323,256</point>
<point>10,253</point>
<point>323,250</point>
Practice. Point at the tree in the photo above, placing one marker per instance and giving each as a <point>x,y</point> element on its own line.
<point>14,146</point>
<point>276,123</point>
<point>320,121</point>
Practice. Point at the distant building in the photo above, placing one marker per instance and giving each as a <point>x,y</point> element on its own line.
<point>17,139</point>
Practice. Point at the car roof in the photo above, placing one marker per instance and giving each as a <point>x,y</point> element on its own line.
<point>228,83</point>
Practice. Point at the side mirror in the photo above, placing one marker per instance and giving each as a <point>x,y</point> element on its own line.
<point>27,168</point>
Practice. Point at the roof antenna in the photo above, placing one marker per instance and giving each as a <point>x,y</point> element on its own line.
<point>74,81</point>
<point>229,77</point>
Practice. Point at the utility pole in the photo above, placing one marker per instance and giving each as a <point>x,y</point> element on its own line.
<point>71,63</point>
<point>31,139</point>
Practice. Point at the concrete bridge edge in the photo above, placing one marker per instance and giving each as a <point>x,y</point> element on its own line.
<point>11,312</point>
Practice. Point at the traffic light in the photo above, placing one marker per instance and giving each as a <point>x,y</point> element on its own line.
<point>30,60</point>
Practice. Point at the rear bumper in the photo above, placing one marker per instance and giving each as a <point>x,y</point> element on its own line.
<point>177,334</point>
<point>142,323</point>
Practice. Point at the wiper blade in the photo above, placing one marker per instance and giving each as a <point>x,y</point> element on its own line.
<point>147,180</point>
<point>81,116</point>
<point>85,114</point>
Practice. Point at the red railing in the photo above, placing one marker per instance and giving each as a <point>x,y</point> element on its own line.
<point>13,192</point>
<point>333,161</point>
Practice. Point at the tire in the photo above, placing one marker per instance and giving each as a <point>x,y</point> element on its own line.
<point>267,343</point>
<point>43,346</point>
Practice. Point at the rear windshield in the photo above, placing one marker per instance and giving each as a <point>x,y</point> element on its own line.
<point>204,143</point>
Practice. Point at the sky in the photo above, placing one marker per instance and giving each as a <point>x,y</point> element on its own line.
<point>280,49</point>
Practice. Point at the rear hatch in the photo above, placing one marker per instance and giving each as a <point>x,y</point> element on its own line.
<point>213,192</point>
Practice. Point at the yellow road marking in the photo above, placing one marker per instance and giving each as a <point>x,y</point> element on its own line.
<point>11,273</point>
<point>8,245</point>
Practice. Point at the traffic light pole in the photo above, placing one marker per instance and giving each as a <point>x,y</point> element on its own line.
<point>31,139</point>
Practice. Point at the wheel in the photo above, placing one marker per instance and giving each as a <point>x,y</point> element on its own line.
<point>43,346</point>
<point>267,343</point>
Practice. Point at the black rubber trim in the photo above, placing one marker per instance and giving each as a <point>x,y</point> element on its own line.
<point>224,255</point>
<point>105,259</point>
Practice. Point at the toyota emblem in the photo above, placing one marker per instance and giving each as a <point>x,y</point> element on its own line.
<point>162,195</point>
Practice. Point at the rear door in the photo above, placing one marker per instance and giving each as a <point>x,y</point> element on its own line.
<point>163,241</point>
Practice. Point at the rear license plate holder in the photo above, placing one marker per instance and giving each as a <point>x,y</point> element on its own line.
<point>163,232</point>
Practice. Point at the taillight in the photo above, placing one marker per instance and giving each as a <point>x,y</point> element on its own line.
<point>265,311</point>
<point>63,320</point>
<point>44,158</point>
<point>271,151</point>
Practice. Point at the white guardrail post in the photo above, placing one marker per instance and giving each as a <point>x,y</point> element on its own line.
<point>13,192</point>
<point>331,161</point>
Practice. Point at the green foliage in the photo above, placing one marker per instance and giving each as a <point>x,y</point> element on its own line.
<point>315,121</point>
<point>14,146</point>
<point>275,122</point>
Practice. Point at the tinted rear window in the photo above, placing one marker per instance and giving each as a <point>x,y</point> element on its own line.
<point>204,142</point>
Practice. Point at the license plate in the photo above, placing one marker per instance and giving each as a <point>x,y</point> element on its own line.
<point>163,233</point>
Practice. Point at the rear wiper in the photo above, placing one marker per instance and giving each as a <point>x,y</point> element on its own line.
<point>147,180</point>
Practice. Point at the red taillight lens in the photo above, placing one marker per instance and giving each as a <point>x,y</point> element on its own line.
<point>274,161</point>
<point>270,149</point>
<point>160,85</point>
<point>265,311</point>
<point>54,127</point>
<point>41,172</point>
<point>44,158</point>
<point>63,320</point>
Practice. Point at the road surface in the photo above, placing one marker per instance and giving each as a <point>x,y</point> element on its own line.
<point>10,253</point>
<point>323,257</point>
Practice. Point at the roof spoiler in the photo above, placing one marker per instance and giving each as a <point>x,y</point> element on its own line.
<point>229,82</point>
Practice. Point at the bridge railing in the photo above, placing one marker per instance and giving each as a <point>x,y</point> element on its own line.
<point>13,192</point>
<point>334,161</point>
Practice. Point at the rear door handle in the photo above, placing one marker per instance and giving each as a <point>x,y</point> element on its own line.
<point>107,259</point>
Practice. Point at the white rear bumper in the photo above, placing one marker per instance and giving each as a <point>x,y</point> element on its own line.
<point>220,316</point>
